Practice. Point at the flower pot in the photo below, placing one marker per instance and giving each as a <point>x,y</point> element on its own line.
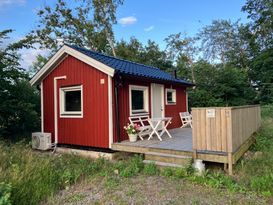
<point>132,137</point>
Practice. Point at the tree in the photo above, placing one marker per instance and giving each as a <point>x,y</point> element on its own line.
<point>153,56</point>
<point>37,65</point>
<point>19,105</point>
<point>226,42</point>
<point>104,18</point>
<point>88,24</point>
<point>233,87</point>
<point>132,50</point>
<point>181,46</point>
<point>218,85</point>
<point>261,14</point>
<point>262,75</point>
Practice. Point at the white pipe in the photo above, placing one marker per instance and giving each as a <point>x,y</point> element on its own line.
<point>56,110</point>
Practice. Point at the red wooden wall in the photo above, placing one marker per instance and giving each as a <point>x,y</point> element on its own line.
<point>92,129</point>
<point>180,106</point>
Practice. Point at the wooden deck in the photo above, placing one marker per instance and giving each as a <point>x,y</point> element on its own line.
<point>175,151</point>
<point>181,141</point>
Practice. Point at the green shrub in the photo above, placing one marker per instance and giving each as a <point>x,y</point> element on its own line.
<point>133,167</point>
<point>150,169</point>
<point>5,194</point>
<point>167,172</point>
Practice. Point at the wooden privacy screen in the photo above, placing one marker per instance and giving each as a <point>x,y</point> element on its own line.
<point>224,129</point>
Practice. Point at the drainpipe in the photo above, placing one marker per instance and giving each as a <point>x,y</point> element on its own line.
<point>56,111</point>
<point>118,83</point>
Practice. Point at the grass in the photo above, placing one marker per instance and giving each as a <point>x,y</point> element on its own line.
<point>29,177</point>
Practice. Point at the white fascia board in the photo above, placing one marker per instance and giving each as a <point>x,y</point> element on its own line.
<point>50,65</point>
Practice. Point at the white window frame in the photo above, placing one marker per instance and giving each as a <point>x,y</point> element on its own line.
<point>145,89</point>
<point>173,91</point>
<point>70,114</point>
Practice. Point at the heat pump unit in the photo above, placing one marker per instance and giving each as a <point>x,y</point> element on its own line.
<point>41,141</point>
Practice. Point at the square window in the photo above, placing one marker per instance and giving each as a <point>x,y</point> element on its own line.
<point>170,96</point>
<point>71,101</point>
<point>138,99</point>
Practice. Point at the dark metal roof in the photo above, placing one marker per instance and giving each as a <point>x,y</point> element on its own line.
<point>131,68</point>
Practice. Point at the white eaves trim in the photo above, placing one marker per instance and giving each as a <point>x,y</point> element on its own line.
<point>50,65</point>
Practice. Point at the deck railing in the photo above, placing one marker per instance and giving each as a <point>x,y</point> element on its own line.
<point>224,129</point>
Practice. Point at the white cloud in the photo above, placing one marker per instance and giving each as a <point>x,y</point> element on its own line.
<point>129,20</point>
<point>12,2</point>
<point>149,28</point>
<point>28,56</point>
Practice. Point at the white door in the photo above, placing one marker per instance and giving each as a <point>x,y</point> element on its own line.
<point>157,100</point>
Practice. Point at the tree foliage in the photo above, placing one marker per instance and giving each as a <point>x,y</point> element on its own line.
<point>87,24</point>
<point>150,54</point>
<point>261,14</point>
<point>19,103</point>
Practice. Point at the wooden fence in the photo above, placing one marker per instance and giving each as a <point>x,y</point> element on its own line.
<point>224,130</point>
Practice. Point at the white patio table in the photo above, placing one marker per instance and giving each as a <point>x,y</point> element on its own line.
<point>155,123</point>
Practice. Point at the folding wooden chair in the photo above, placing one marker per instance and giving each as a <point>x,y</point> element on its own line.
<point>145,128</point>
<point>186,119</point>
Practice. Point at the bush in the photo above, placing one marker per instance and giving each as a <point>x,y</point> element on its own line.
<point>150,169</point>
<point>134,166</point>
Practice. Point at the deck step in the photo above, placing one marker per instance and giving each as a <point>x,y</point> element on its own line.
<point>168,158</point>
<point>162,164</point>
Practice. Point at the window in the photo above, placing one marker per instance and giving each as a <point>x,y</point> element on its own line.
<point>71,104</point>
<point>170,96</point>
<point>138,99</point>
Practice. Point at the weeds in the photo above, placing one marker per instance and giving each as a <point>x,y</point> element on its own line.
<point>5,194</point>
<point>150,169</point>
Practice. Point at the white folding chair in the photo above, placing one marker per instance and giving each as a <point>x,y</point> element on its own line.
<point>145,128</point>
<point>186,119</point>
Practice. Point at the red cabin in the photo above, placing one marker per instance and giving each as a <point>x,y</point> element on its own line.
<point>87,97</point>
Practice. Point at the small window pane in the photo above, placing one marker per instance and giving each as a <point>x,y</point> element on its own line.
<point>137,100</point>
<point>73,100</point>
<point>169,96</point>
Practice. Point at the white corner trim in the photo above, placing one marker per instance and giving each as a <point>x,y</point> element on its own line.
<point>42,106</point>
<point>145,89</point>
<point>110,111</point>
<point>70,51</point>
<point>63,113</point>
<point>56,108</point>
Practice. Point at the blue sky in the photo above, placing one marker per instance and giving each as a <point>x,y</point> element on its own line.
<point>144,19</point>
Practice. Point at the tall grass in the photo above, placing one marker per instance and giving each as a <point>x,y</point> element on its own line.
<point>34,176</point>
<point>256,172</point>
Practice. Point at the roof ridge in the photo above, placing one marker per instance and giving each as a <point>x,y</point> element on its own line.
<point>109,56</point>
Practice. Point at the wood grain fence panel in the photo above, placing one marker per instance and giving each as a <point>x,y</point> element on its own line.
<point>227,130</point>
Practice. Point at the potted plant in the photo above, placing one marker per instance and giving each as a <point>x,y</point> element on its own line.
<point>132,130</point>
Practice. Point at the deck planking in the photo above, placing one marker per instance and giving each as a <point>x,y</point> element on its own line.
<point>181,141</point>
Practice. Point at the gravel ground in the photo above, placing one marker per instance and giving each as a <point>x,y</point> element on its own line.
<point>148,190</point>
